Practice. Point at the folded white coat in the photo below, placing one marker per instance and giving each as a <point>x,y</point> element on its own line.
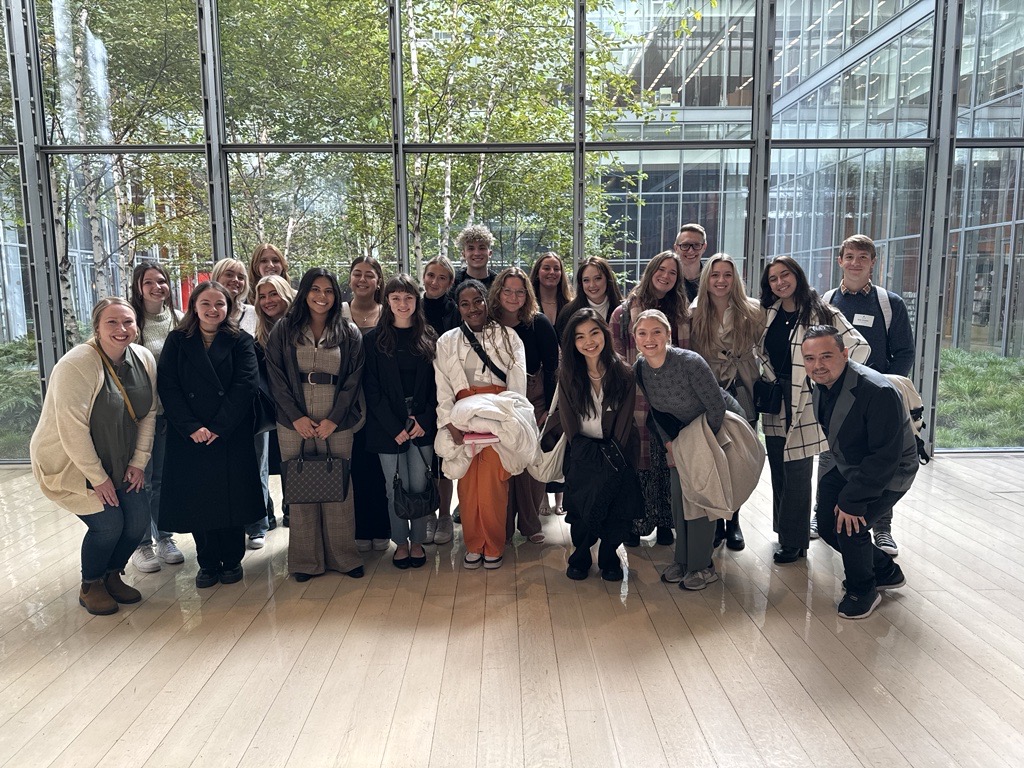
<point>508,415</point>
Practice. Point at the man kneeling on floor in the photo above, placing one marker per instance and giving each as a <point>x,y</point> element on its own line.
<point>870,436</point>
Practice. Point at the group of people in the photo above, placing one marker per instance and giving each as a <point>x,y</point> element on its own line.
<point>469,378</point>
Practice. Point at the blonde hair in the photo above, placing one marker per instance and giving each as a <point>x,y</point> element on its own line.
<point>474,233</point>
<point>263,323</point>
<point>111,301</point>
<point>657,315</point>
<point>218,270</point>
<point>254,265</point>
<point>747,318</point>
<point>444,262</point>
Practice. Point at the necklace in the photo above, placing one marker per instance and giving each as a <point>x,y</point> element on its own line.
<point>365,315</point>
<point>788,317</point>
<point>595,378</point>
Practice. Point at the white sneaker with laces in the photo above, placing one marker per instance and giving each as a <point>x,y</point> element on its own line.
<point>814,527</point>
<point>885,542</point>
<point>257,542</point>
<point>168,551</point>
<point>144,559</point>
<point>431,530</point>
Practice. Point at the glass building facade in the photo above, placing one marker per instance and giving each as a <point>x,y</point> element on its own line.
<point>190,130</point>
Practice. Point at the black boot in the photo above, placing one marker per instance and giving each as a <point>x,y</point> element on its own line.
<point>719,532</point>
<point>733,534</point>
<point>285,520</point>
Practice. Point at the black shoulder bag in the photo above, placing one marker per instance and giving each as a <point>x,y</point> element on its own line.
<point>412,505</point>
<point>474,342</point>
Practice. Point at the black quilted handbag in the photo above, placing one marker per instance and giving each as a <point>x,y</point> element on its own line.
<point>411,505</point>
<point>316,479</point>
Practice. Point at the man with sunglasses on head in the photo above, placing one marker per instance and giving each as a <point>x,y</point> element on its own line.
<point>690,244</point>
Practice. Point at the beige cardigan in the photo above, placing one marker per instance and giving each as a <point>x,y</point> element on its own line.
<point>62,451</point>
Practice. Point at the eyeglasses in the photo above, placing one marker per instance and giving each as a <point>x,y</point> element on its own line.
<point>509,293</point>
<point>689,246</point>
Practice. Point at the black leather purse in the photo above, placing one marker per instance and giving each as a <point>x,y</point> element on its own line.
<point>412,505</point>
<point>768,396</point>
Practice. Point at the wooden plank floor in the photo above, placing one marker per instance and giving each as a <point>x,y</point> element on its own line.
<point>522,667</point>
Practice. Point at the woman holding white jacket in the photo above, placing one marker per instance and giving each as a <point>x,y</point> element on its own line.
<point>479,357</point>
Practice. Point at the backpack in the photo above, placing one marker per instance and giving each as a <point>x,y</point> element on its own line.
<point>883,303</point>
<point>914,407</point>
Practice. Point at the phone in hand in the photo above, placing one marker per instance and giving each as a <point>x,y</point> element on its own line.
<point>410,424</point>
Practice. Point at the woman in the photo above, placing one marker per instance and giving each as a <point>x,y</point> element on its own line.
<point>401,407</point>
<point>680,387</point>
<point>92,444</point>
<point>661,288</point>
<point>315,362</point>
<point>208,379</point>
<point>793,436</point>
<point>459,371</point>
<point>596,394</point>
<point>366,281</point>
<point>442,315</point>
<point>231,273</point>
<point>513,304</point>
<point>725,324</point>
<point>550,285</point>
<point>596,288</point>
<point>156,317</point>
<point>266,260</point>
<point>274,296</point>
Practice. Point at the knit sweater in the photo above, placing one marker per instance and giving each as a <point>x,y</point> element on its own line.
<point>683,387</point>
<point>154,334</point>
<point>64,458</point>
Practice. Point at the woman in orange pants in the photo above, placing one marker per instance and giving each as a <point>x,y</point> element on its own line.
<point>460,371</point>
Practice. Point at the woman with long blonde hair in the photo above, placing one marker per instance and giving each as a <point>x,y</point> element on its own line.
<point>725,325</point>
<point>266,260</point>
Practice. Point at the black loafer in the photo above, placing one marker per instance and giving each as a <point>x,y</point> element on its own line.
<point>401,562</point>
<point>632,539</point>
<point>356,573</point>
<point>417,562</point>
<point>231,575</point>
<point>207,577</point>
<point>576,574</point>
<point>612,574</point>
<point>303,577</point>
<point>788,555</point>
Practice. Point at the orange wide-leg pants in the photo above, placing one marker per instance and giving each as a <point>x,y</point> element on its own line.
<point>483,495</point>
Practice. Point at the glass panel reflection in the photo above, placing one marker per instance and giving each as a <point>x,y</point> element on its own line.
<point>308,72</point>
<point>320,209</point>
<point>121,73</point>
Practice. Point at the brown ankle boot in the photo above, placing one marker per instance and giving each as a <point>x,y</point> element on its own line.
<point>120,591</point>
<point>96,600</point>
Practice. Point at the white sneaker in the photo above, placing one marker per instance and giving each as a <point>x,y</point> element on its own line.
<point>473,560</point>
<point>814,527</point>
<point>364,545</point>
<point>144,559</point>
<point>492,563</point>
<point>257,542</point>
<point>168,551</point>
<point>445,530</point>
<point>380,545</point>
<point>431,529</point>
<point>696,580</point>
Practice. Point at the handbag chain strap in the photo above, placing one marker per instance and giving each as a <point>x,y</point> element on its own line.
<point>117,380</point>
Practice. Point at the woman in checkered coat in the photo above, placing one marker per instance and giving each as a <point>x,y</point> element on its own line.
<point>793,436</point>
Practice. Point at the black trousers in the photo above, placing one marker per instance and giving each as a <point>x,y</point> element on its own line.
<point>863,562</point>
<point>791,495</point>
<point>584,537</point>
<point>220,548</point>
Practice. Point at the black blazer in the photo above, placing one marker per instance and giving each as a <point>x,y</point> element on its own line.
<point>870,437</point>
<point>385,402</point>
<point>216,485</point>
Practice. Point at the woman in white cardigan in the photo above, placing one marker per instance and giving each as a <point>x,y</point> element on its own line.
<point>92,444</point>
<point>461,372</point>
<point>793,436</point>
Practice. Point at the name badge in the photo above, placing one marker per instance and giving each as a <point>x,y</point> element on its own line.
<point>866,320</point>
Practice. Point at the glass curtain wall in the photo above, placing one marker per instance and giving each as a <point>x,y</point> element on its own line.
<point>309,147</point>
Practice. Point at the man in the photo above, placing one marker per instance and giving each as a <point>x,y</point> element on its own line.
<point>875,453</point>
<point>476,243</point>
<point>689,245</point>
<point>881,317</point>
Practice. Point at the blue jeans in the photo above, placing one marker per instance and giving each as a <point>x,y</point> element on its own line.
<point>260,527</point>
<point>154,481</point>
<point>114,534</point>
<point>413,472</point>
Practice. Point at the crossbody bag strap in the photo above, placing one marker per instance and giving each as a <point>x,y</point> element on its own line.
<point>117,380</point>
<point>474,342</point>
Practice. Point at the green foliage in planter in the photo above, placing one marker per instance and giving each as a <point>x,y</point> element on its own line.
<point>20,396</point>
<point>981,400</point>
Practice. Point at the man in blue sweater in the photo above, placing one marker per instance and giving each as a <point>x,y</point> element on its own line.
<point>881,317</point>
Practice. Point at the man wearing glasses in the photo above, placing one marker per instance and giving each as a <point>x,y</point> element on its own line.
<point>690,244</point>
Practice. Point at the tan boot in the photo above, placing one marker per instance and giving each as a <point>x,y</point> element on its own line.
<point>120,591</point>
<point>96,600</point>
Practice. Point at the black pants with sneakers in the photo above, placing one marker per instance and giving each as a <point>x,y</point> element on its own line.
<point>220,549</point>
<point>864,563</point>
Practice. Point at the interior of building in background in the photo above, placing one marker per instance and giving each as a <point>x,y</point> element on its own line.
<point>185,132</point>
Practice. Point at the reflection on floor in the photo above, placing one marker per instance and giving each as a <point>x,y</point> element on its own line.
<point>521,666</point>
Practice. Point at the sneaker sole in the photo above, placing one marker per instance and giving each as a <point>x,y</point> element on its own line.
<point>895,585</point>
<point>147,568</point>
<point>890,551</point>
<point>472,565</point>
<point>868,612</point>
<point>493,565</point>
<point>173,560</point>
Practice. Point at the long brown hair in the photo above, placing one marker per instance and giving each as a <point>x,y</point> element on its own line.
<point>675,304</point>
<point>574,384</point>
<point>424,340</point>
<point>136,299</point>
<point>254,267</point>
<point>747,321</point>
<point>809,306</point>
<point>563,294</point>
<point>529,309</point>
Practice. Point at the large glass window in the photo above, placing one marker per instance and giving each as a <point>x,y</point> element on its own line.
<point>305,72</point>
<point>120,72</point>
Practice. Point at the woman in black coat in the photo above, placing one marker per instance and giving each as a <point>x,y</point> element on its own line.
<point>401,407</point>
<point>207,379</point>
